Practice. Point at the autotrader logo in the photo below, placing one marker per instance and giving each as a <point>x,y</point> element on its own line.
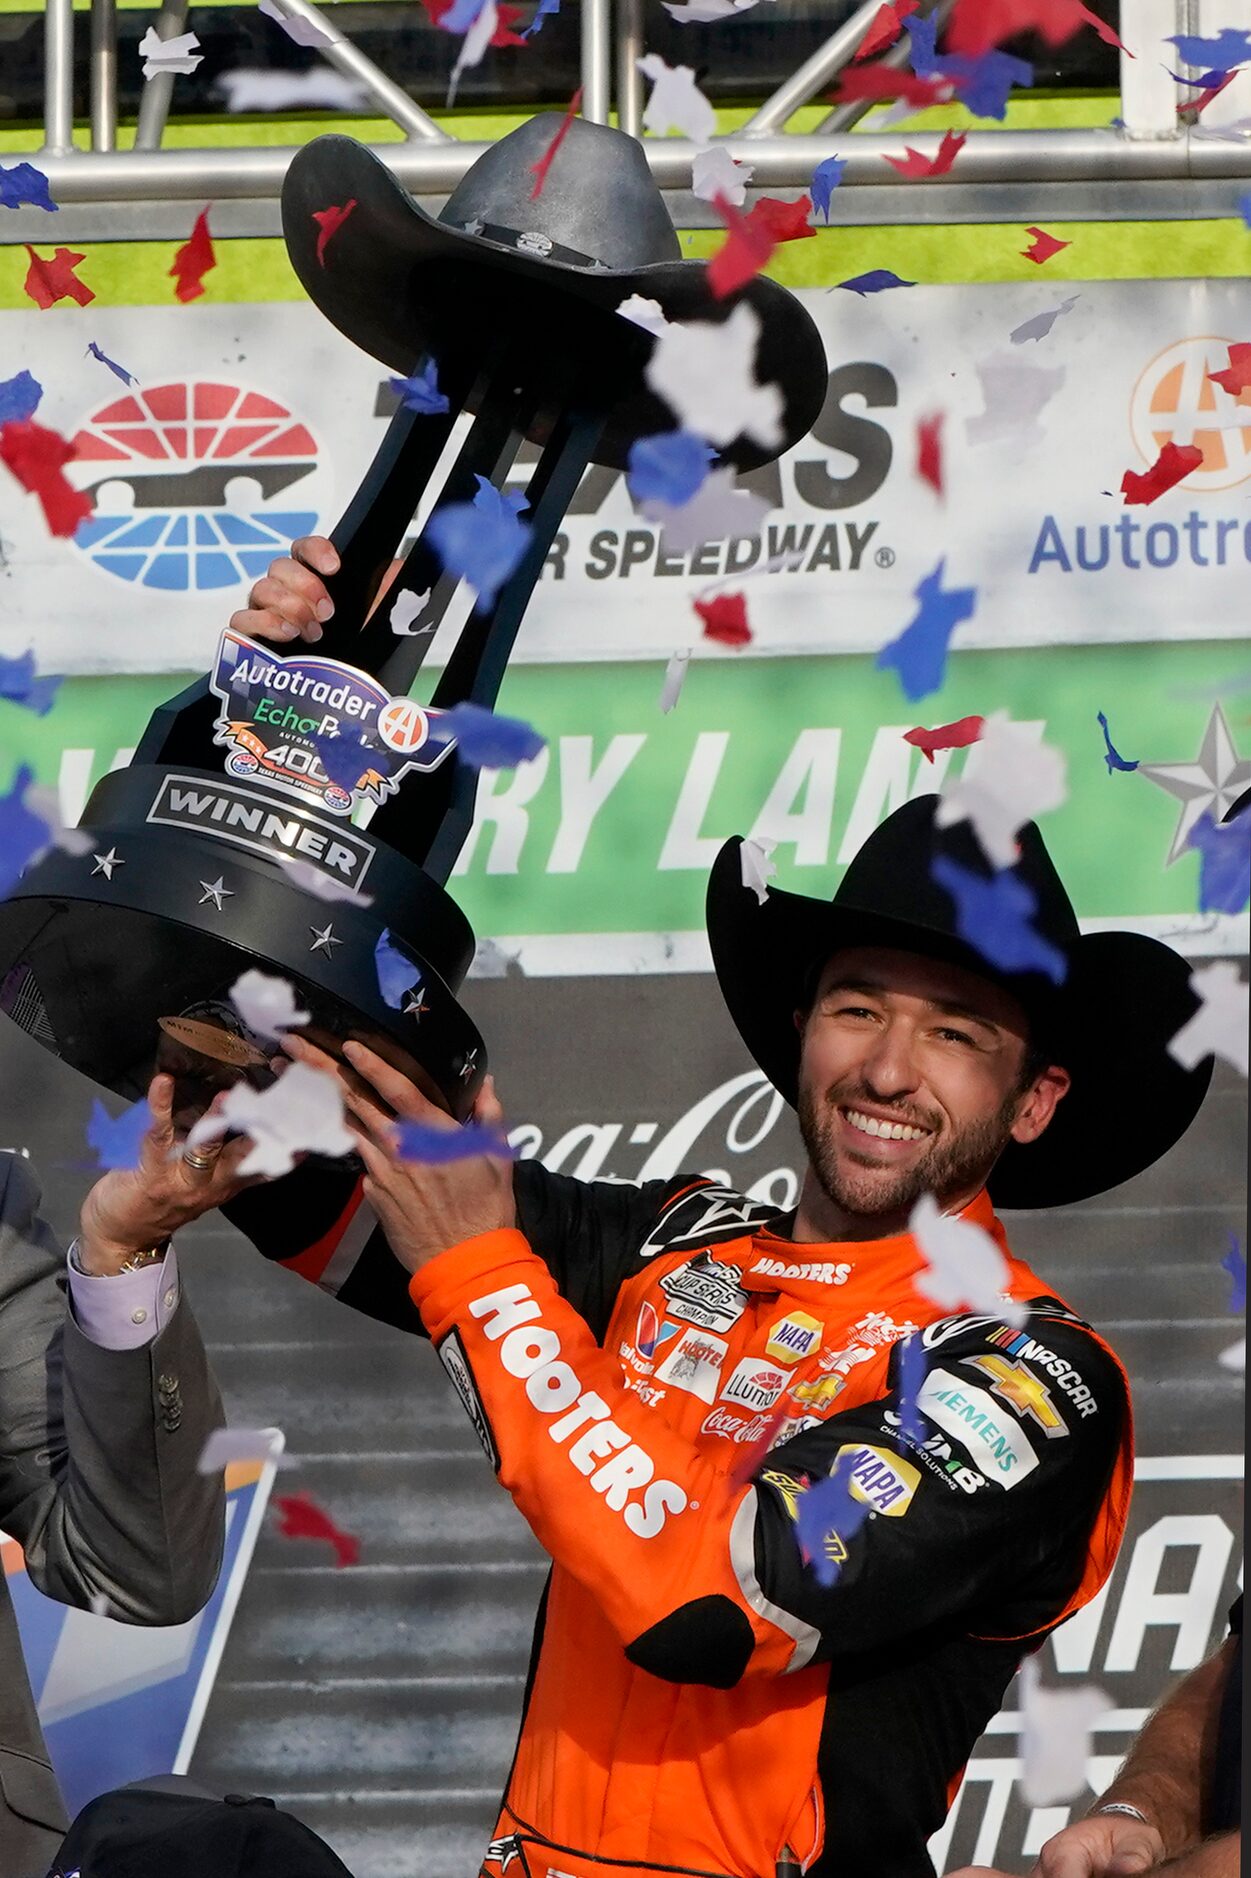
<point>1175,401</point>
<point>183,475</point>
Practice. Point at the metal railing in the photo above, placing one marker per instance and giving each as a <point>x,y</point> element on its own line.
<point>1150,145</point>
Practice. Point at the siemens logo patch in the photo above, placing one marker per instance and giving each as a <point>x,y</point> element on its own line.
<point>248,819</point>
<point>996,1448</point>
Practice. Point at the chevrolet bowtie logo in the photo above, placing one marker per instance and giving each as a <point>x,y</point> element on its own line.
<point>1022,1391</point>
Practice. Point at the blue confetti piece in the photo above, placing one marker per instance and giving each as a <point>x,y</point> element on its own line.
<point>1206,81</point>
<point>118,1143</point>
<point>922,34</point>
<point>994,915</point>
<point>1224,862</point>
<point>919,655</point>
<point>1244,209</point>
<point>23,186</point>
<point>983,82</point>
<point>118,371</point>
<point>481,541</point>
<point>485,740</point>
<point>1111,755</point>
<point>397,975</point>
<point>461,15</point>
<point>668,468</point>
<point>421,392</point>
<point>417,1142</point>
<point>827,1518</point>
<point>19,684</point>
<point>877,280</point>
<point>911,1374</point>
<point>1235,1263</point>
<point>547,10</point>
<point>23,834</point>
<point>19,398</point>
<point>825,180</point>
<point>344,759</point>
<point>1231,47</point>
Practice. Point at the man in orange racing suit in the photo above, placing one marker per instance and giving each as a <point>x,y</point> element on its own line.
<point>659,1374</point>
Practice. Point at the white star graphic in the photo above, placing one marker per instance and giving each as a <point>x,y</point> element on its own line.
<point>105,863</point>
<point>1209,785</point>
<point>415,1008</point>
<point>467,1066</point>
<point>324,940</point>
<point>216,891</point>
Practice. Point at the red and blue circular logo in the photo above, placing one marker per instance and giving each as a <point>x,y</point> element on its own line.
<point>183,475</point>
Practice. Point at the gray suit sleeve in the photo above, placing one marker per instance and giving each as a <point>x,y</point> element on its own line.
<point>98,1447</point>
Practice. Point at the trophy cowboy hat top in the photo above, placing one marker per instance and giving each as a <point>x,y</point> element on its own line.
<point>1124,996</point>
<point>543,275</point>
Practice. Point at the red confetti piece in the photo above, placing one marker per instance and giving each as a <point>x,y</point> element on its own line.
<point>725,619</point>
<point>930,451</point>
<point>1197,106</point>
<point>914,164</point>
<point>888,81</point>
<point>785,221</point>
<point>978,25</point>
<point>506,18</point>
<point>193,261</point>
<point>302,1518</point>
<point>37,458</point>
<point>329,222</point>
<point>957,736</point>
<point>1108,34</point>
<point>884,29</point>
<point>49,281</point>
<point>1236,378</point>
<point>745,250</point>
<point>1043,246</point>
<point>545,162</point>
<point>1171,467</point>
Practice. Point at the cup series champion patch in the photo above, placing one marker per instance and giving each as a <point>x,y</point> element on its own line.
<point>276,711</point>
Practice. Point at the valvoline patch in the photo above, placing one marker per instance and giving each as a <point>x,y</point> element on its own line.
<point>317,728</point>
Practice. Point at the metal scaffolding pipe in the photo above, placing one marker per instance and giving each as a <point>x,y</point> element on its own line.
<point>596,30</point>
<point>629,77</point>
<point>58,76</point>
<point>158,90</point>
<point>352,62</point>
<point>103,74</point>
<point>803,85</point>
<point>1001,156</point>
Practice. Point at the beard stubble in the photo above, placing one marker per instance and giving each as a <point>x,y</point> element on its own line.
<point>947,1168</point>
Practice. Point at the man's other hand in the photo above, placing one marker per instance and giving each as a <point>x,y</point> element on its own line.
<point>291,601</point>
<point>423,1207</point>
<point>1108,1845</point>
<point>131,1210</point>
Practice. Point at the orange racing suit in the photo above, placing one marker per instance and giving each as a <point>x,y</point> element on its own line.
<point>657,1376</point>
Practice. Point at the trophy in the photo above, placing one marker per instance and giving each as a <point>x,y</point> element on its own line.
<point>235,837</point>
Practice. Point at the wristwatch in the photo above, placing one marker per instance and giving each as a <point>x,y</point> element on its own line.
<point>137,1262</point>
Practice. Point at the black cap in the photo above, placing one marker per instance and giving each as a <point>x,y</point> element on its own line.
<point>153,1828</point>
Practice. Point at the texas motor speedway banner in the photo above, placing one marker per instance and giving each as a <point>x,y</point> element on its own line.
<point>254,423</point>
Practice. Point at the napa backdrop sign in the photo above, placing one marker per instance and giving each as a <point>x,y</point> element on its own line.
<point>252,424</point>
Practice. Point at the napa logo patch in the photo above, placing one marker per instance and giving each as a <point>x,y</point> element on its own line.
<point>794,1337</point>
<point>879,1478</point>
<point>118,1702</point>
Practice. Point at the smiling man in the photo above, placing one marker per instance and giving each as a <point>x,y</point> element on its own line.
<point>660,1374</point>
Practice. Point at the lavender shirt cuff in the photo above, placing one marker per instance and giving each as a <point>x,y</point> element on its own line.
<point>128,1309</point>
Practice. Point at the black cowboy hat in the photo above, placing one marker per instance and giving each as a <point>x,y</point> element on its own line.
<point>544,274</point>
<point>1109,1023</point>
